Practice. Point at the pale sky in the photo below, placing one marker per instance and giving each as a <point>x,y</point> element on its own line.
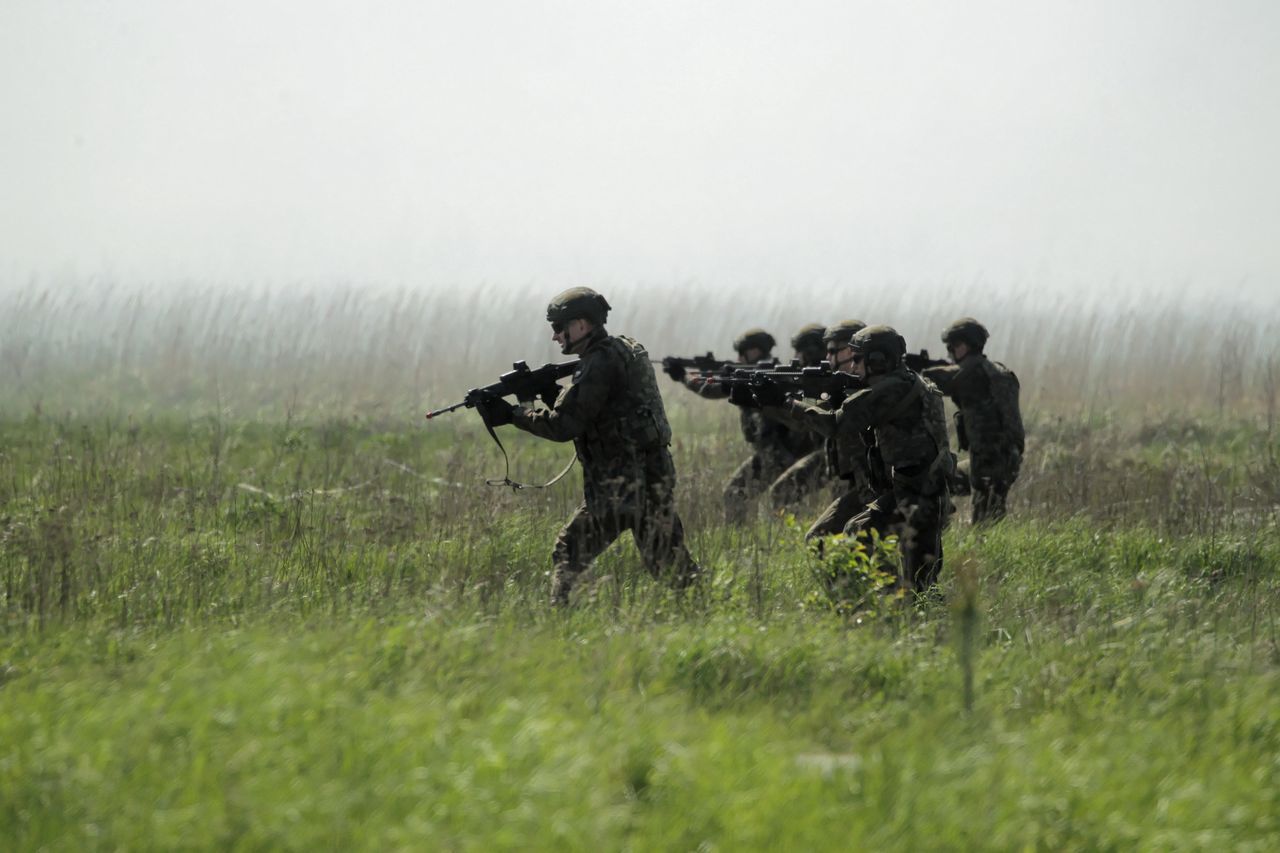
<point>739,143</point>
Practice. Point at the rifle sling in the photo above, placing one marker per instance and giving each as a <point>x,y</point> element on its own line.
<point>506,461</point>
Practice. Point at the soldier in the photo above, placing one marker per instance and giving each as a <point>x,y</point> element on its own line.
<point>807,474</point>
<point>841,460</point>
<point>613,413</point>
<point>774,446</point>
<point>808,345</point>
<point>988,420</point>
<point>905,416</point>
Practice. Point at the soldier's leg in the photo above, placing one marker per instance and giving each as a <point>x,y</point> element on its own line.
<point>583,538</point>
<point>920,539</point>
<point>992,477</point>
<point>987,505</point>
<point>837,514</point>
<point>657,529</point>
<point>805,476</point>
<point>742,487</point>
<point>1000,498</point>
<point>864,518</point>
<point>749,481</point>
<point>659,535</point>
<point>960,482</point>
<point>878,516</point>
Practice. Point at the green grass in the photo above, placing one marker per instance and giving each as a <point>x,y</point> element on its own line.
<point>299,634</point>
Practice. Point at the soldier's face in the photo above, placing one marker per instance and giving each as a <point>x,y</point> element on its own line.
<point>570,334</point>
<point>751,355</point>
<point>958,350</point>
<point>858,366</point>
<point>841,359</point>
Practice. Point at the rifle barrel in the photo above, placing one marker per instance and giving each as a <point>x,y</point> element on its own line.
<point>446,410</point>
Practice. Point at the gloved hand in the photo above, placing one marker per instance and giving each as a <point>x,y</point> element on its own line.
<point>740,395</point>
<point>769,394</point>
<point>496,411</point>
<point>674,369</point>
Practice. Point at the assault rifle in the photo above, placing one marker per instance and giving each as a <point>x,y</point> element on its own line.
<point>708,364</point>
<point>817,383</point>
<point>702,363</point>
<point>919,361</point>
<point>526,386</point>
<point>520,382</point>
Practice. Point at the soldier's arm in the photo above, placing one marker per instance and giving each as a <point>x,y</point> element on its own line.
<point>578,405</point>
<point>783,415</point>
<point>706,386</point>
<point>867,407</point>
<point>810,417</point>
<point>943,376</point>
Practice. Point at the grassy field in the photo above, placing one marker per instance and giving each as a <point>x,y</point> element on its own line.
<point>232,618</point>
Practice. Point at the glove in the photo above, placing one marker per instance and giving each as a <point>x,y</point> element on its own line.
<point>769,394</point>
<point>674,369</point>
<point>740,395</point>
<point>496,411</point>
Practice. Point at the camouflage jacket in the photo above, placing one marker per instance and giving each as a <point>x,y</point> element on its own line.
<point>989,420</point>
<point>905,415</point>
<point>611,410</point>
<point>846,453</point>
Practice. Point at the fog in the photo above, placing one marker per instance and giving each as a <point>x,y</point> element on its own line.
<point>1116,148</point>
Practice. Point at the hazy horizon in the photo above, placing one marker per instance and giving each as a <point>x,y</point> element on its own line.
<point>1108,148</point>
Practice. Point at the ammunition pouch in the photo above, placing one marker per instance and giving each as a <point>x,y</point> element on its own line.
<point>640,434</point>
<point>927,479</point>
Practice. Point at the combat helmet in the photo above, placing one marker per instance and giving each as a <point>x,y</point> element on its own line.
<point>881,346</point>
<point>578,303</point>
<point>807,342</point>
<point>756,338</point>
<point>966,330</point>
<point>839,334</point>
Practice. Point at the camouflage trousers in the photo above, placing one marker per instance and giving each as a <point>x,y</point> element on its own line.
<point>837,515</point>
<point>635,495</point>
<point>806,476</point>
<point>917,520</point>
<point>751,479</point>
<point>989,487</point>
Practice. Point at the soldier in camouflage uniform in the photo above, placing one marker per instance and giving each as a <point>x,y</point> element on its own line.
<point>808,474</point>
<point>905,415</point>
<point>988,420</point>
<point>612,411</point>
<point>774,446</point>
<point>842,458</point>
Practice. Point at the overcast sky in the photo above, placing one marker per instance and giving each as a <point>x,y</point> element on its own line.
<point>1130,143</point>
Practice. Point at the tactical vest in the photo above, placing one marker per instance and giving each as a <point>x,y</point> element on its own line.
<point>912,439</point>
<point>847,454</point>
<point>635,420</point>
<point>992,420</point>
<point>1004,391</point>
